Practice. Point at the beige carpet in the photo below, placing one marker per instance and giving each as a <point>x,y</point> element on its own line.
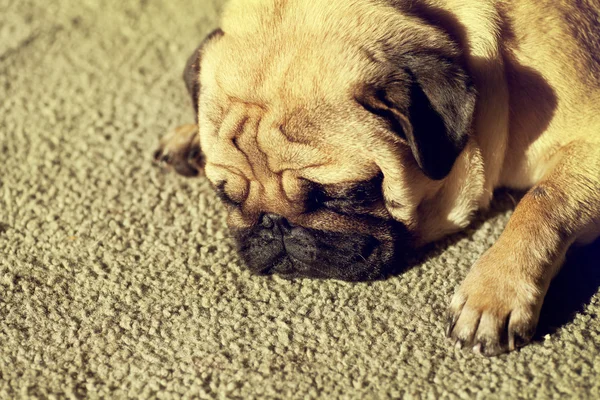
<point>118,280</point>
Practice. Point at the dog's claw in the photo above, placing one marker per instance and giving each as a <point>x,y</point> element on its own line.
<point>450,322</point>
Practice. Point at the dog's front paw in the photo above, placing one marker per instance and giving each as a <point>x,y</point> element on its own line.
<point>180,150</point>
<point>496,309</point>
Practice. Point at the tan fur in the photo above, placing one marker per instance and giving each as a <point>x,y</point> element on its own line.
<point>277,109</point>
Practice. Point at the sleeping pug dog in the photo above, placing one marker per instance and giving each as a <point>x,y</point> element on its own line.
<point>341,134</point>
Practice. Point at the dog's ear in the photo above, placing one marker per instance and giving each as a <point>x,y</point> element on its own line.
<point>191,73</point>
<point>429,101</point>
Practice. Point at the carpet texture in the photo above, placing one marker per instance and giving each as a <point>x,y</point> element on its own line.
<point>119,280</point>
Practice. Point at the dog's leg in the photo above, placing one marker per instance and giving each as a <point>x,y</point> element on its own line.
<point>496,309</point>
<point>180,150</point>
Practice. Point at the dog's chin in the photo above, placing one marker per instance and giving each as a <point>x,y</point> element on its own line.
<point>355,270</point>
<point>307,253</point>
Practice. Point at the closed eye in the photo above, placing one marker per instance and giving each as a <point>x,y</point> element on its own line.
<point>317,198</point>
<point>353,198</point>
<point>222,194</point>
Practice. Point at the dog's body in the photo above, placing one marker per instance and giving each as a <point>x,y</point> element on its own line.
<point>484,94</point>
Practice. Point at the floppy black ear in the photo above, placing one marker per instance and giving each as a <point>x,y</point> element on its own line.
<point>431,105</point>
<point>191,73</point>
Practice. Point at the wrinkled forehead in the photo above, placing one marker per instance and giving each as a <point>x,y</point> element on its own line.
<point>262,143</point>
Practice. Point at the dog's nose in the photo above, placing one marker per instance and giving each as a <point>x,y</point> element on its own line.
<point>298,242</point>
<point>271,221</point>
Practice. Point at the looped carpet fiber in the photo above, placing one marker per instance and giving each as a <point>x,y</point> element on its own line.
<point>119,280</point>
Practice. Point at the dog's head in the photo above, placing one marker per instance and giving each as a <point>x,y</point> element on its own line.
<point>330,130</point>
